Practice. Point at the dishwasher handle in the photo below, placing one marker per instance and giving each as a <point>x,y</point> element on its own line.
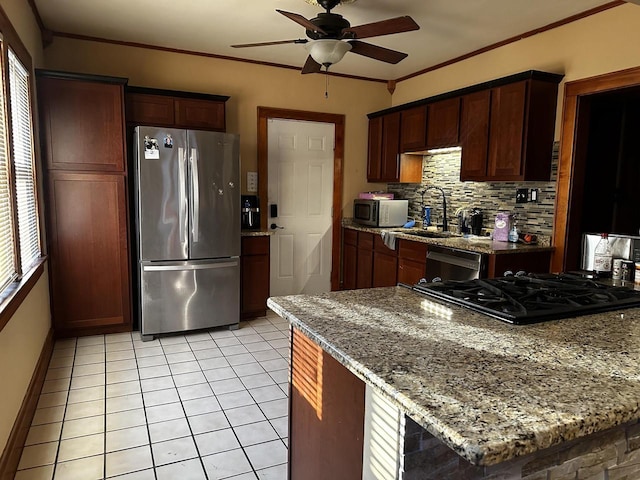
<point>455,260</point>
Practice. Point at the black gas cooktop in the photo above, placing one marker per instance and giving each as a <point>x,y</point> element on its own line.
<point>532,298</point>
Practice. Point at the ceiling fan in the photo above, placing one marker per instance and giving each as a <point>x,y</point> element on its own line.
<point>332,36</point>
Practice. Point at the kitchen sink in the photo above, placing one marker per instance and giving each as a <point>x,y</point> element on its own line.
<point>431,234</point>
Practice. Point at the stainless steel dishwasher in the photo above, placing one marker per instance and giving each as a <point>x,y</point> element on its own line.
<point>445,263</point>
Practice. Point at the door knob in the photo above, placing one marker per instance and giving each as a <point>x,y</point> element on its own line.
<point>274,226</point>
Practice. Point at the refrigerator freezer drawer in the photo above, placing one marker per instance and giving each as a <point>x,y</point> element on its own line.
<point>181,296</point>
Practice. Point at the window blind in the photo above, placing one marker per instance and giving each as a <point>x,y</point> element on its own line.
<point>7,247</point>
<point>22,137</point>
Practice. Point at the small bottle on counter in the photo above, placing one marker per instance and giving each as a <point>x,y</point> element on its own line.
<point>602,258</point>
<point>513,234</point>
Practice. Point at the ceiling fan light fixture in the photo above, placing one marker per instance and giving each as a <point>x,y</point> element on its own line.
<point>327,52</point>
<point>316,3</point>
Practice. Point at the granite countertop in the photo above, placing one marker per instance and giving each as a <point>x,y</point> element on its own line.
<point>471,243</point>
<point>489,390</point>
<point>255,233</point>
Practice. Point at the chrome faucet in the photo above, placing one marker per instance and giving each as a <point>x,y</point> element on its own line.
<point>445,226</point>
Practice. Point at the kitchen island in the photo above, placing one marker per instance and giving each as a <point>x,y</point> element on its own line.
<point>477,398</point>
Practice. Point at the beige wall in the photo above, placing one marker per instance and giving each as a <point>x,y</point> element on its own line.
<point>601,43</point>
<point>22,338</point>
<point>249,87</point>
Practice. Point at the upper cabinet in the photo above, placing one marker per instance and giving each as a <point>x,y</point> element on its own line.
<point>146,106</point>
<point>385,162</point>
<point>76,136</point>
<point>413,134</point>
<point>521,120</point>
<point>505,128</point>
<point>443,124</point>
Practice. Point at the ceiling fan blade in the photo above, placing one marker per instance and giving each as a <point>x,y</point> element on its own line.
<point>301,20</point>
<point>311,66</point>
<point>384,27</point>
<point>377,53</point>
<point>264,44</point>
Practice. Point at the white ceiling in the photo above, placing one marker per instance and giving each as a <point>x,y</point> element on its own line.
<point>448,28</point>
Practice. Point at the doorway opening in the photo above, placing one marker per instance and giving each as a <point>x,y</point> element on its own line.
<point>264,114</point>
<point>599,169</point>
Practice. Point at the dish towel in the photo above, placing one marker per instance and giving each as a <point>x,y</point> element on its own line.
<point>389,239</point>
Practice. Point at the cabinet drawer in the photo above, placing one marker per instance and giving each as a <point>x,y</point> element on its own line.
<point>255,245</point>
<point>365,240</point>
<point>379,246</point>
<point>350,237</point>
<point>412,250</point>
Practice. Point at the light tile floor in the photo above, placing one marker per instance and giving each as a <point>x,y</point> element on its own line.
<point>207,405</point>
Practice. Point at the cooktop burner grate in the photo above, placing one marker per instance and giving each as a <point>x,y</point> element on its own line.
<point>533,298</point>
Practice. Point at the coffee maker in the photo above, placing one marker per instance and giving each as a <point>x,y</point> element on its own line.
<point>250,212</point>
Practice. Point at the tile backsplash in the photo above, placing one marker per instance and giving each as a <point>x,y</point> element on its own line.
<point>443,170</point>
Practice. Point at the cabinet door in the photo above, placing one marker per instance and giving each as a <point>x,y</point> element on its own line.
<point>254,276</point>
<point>89,254</point>
<point>83,124</point>
<point>413,124</point>
<point>443,124</point>
<point>199,114</point>
<point>374,158</point>
<point>391,147</point>
<point>385,270</point>
<point>364,262</point>
<point>411,271</point>
<point>474,135</point>
<point>508,107</point>
<point>349,266</point>
<point>152,110</point>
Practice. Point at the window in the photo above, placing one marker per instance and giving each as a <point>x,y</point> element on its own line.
<point>20,247</point>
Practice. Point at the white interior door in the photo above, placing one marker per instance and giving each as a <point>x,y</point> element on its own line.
<point>300,160</point>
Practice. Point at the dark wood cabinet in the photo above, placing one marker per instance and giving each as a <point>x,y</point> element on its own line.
<point>443,123</point>
<point>530,262</point>
<point>413,133</point>
<point>384,162</point>
<point>174,109</point>
<point>82,124</point>
<point>327,411</point>
<point>82,135</point>
<point>349,258</point>
<point>507,131</point>
<point>87,232</point>
<point>412,261</point>
<point>254,273</point>
<point>517,120</point>
<point>364,263</point>
<point>385,264</point>
<point>474,135</point>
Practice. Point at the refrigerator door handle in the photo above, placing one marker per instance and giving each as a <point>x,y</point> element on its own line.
<point>203,266</point>
<point>182,195</point>
<point>195,197</point>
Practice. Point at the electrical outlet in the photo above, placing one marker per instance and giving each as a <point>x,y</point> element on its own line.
<point>535,195</point>
<point>522,195</point>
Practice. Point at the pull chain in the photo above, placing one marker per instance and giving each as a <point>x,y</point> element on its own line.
<point>326,83</point>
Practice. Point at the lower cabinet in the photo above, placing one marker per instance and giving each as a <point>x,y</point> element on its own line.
<point>364,263</point>
<point>412,261</point>
<point>254,276</point>
<point>349,259</point>
<point>385,264</point>
<point>529,262</point>
<point>87,232</point>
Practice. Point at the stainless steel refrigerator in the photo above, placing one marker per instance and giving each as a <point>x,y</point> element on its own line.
<point>187,207</point>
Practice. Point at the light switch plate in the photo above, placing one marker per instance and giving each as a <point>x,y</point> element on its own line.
<point>252,181</point>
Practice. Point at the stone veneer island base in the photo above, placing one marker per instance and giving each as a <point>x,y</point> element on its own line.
<point>388,385</point>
